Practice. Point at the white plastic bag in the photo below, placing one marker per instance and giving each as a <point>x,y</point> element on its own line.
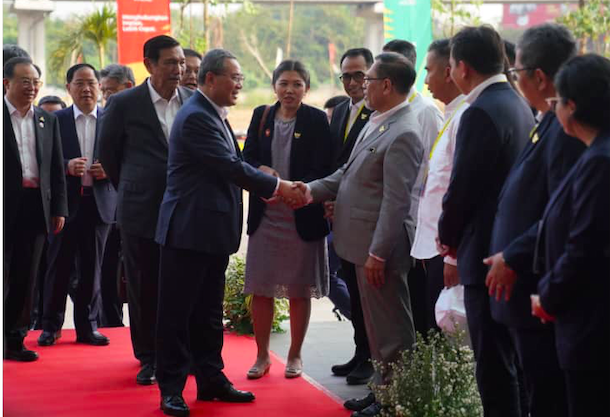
<point>450,311</point>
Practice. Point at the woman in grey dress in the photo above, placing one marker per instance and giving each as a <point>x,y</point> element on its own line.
<point>287,255</point>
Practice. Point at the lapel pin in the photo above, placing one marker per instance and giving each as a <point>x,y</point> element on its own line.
<point>364,116</point>
<point>372,150</point>
<point>268,132</point>
<point>535,138</point>
<point>41,121</point>
<point>297,135</point>
<point>382,129</point>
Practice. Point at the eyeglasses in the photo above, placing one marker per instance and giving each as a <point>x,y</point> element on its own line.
<point>552,102</point>
<point>31,82</point>
<point>513,72</point>
<point>236,78</point>
<point>369,79</point>
<point>357,76</point>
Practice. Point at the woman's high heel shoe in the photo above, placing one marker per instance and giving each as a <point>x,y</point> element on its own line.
<point>256,372</point>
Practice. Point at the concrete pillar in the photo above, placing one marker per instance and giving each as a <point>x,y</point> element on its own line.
<point>373,15</point>
<point>31,37</point>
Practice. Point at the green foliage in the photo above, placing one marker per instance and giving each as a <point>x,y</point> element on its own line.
<point>237,305</point>
<point>591,24</point>
<point>454,14</point>
<point>433,379</point>
<point>9,26</point>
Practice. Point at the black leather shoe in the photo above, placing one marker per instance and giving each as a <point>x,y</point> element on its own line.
<point>21,355</point>
<point>359,404</point>
<point>345,368</point>
<point>370,411</point>
<point>361,375</point>
<point>227,394</point>
<point>146,376</point>
<point>48,338</point>
<point>93,338</point>
<point>174,405</point>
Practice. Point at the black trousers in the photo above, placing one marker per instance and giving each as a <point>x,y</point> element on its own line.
<point>496,361</point>
<point>363,351</point>
<point>141,261</point>
<point>588,392</point>
<point>23,244</point>
<point>82,243</point>
<point>189,324</point>
<point>544,381</point>
<point>425,284</point>
<point>111,312</point>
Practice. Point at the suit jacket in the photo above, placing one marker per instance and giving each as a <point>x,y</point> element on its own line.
<point>50,166</point>
<point>342,146</point>
<point>133,151</point>
<point>372,192</point>
<point>202,205</point>
<point>492,133</point>
<point>103,191</point>
<point>575,236</point>
<point>310,157</point>
<point>541,166</point>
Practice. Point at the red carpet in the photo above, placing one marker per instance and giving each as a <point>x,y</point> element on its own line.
<point>76,380</point>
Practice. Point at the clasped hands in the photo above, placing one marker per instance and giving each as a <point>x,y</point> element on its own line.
<point>77,167</point>
<point>293,194</point>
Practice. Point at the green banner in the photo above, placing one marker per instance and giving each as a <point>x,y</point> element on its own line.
<point>410,20</point>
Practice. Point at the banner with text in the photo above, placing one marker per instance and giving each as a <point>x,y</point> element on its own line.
<point>410,20</point>
<point>138,21</point>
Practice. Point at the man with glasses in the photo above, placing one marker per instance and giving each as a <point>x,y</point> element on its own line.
<point>545,160</point>
<point>349,118</point>
<point>34,178</point>
<point>133,149</point>
<point>192,63</point>
<point>116,78</point>
<point>91,206</point>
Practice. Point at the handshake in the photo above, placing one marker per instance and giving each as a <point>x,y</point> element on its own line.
<point>293,194</point>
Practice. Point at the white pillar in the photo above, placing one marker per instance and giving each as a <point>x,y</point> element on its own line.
<point>373,15</point>
<point>30,24</point>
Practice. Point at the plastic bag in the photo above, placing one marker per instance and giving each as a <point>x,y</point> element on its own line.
<point>450,311</point>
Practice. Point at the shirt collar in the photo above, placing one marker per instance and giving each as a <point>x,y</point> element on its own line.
<point>452,106</point>
<point>474,94</point>
<point>357,105</point>
<point>78,112</point>
<point>378,118</point>
<point>155,96</point>
<point>223,112</point>
<point>12,109</point>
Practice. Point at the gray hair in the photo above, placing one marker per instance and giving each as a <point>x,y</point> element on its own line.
<point>547,47</point>
<point>214,62</point>
<point>121,73</point>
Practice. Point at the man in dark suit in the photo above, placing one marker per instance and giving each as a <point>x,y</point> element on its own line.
<point>349,118</point>
<point>200,223</point>
<point>492,132</point>
<point>133,148</point>
<point>91,204</point>
<point>543,163</point>
<point>34,179</point>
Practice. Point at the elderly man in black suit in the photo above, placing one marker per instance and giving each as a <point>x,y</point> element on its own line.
<point>133,149</point>
<point>34,178</point>
<point>200,224</point>
<point>492,133</point>
<point>543,163</point>
<point>91,204</point>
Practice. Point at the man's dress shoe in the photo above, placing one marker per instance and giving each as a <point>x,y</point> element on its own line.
<point>370,411</point>
<point>345,368</point>
<point>174,405</point>
<point>146,376</point>
<point>361,374</point>
<point>21,355</point>
<point>48,338</point>
<point>226,393</point>
<point>359,404</point>
<point>93,338</point>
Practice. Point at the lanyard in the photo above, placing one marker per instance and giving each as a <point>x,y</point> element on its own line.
<point>352,122</point>
<point>440,134</point>
<point>413,96</point>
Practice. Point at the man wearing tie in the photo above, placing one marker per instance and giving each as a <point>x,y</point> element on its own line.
<point>200,223</point>
<point>34,178</point>
<point>349,118</point>
<point>91,205</point>
<point>133,148</point>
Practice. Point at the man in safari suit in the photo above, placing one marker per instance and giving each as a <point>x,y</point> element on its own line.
<point>372,225</point>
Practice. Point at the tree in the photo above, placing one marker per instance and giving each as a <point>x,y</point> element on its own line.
<point>455,12</point>
<point>590,23</point>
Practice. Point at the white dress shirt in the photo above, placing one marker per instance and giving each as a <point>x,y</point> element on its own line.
<point>166,110</point>
<point>85,131</point>
<point>439,174</point>
<point>23,127</point>
<point>223,113</point>
<point>476,92</point>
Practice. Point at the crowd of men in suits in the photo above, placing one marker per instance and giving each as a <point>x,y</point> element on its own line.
<point>418,200</point>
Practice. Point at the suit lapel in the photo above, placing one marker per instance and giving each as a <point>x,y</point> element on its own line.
<point>219,122</point>
<point>41,127</point>
<point>150,113</point>
<point>9,135</point>
<point>299,127</point>
<point>100,112</point>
